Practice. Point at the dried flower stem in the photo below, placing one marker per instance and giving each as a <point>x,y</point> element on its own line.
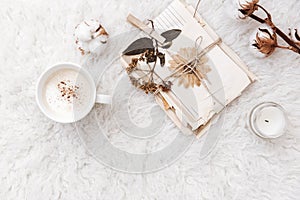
<point>284,47</point>
<point>197,7</point>
<point>268,21</point>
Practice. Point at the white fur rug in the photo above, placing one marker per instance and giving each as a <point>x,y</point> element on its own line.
<point>40,159</point>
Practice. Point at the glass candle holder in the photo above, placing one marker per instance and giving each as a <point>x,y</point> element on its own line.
<point>268,120</point>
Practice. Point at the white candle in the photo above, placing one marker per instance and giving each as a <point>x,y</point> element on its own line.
<point>268,120</point>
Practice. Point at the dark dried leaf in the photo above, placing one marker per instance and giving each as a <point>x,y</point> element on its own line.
<point>150,56</point>
<point>171,34</point>
<point>297,35</point>
<point>166,86</point>
<point>151,59</point>
<point>139,46</point>
<point>162,58</point>
<point>149,53</point>
<point>162,61</point>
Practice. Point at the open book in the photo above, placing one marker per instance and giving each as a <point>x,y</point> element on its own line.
<point>192,108</point>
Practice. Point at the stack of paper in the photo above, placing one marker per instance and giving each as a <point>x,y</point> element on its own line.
<point>191,108</point>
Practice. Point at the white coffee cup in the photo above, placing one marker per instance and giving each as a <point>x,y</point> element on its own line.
<point>61,100</point>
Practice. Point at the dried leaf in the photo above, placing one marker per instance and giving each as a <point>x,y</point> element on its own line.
<point>139,46</point>
<point>162,58</point>
<point>170,35</point>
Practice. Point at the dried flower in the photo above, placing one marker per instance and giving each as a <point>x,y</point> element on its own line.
<point>189,74</point>
<point>265,41</point>
<point>132,65</point>
<point>149,87</point>
<point>90,35</point>
<point>146,50</point>
<point>247,7</point>
<point>166,86</point>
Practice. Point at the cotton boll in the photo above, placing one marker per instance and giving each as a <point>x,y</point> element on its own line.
<point>239,4</point>
<point>93,45</point>
<point>255,51</point>
<point>103,38</point>
<point>93,25</point>
<point>82,47</point>
<point>86,29</point>
<point>90,35</point>
<point>264,34</point>
<point>248,6</point>
<point>82,32</point>
<point>263,41</point>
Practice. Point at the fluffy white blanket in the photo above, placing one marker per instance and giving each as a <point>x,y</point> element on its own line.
<point>40,159</point>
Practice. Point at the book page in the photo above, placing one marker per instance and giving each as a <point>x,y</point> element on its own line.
<point>226,81</point>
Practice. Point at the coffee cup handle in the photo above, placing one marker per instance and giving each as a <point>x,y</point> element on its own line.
<point>103,99</point>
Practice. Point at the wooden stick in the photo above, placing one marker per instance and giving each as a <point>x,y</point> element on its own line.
<point>149,31</point>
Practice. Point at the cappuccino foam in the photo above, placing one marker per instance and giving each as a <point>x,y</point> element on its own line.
<point>67,92</point>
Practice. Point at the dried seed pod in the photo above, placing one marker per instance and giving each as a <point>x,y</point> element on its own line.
<point>265,41</point>
<point>247,7</point>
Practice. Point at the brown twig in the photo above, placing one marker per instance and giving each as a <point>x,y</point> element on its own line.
<point>268,21</point>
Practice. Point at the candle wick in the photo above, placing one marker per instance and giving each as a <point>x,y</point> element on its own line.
<point>267,121</point>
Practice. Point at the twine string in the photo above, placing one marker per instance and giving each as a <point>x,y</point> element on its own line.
<point>182,68</point>
<point>191,65</point>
